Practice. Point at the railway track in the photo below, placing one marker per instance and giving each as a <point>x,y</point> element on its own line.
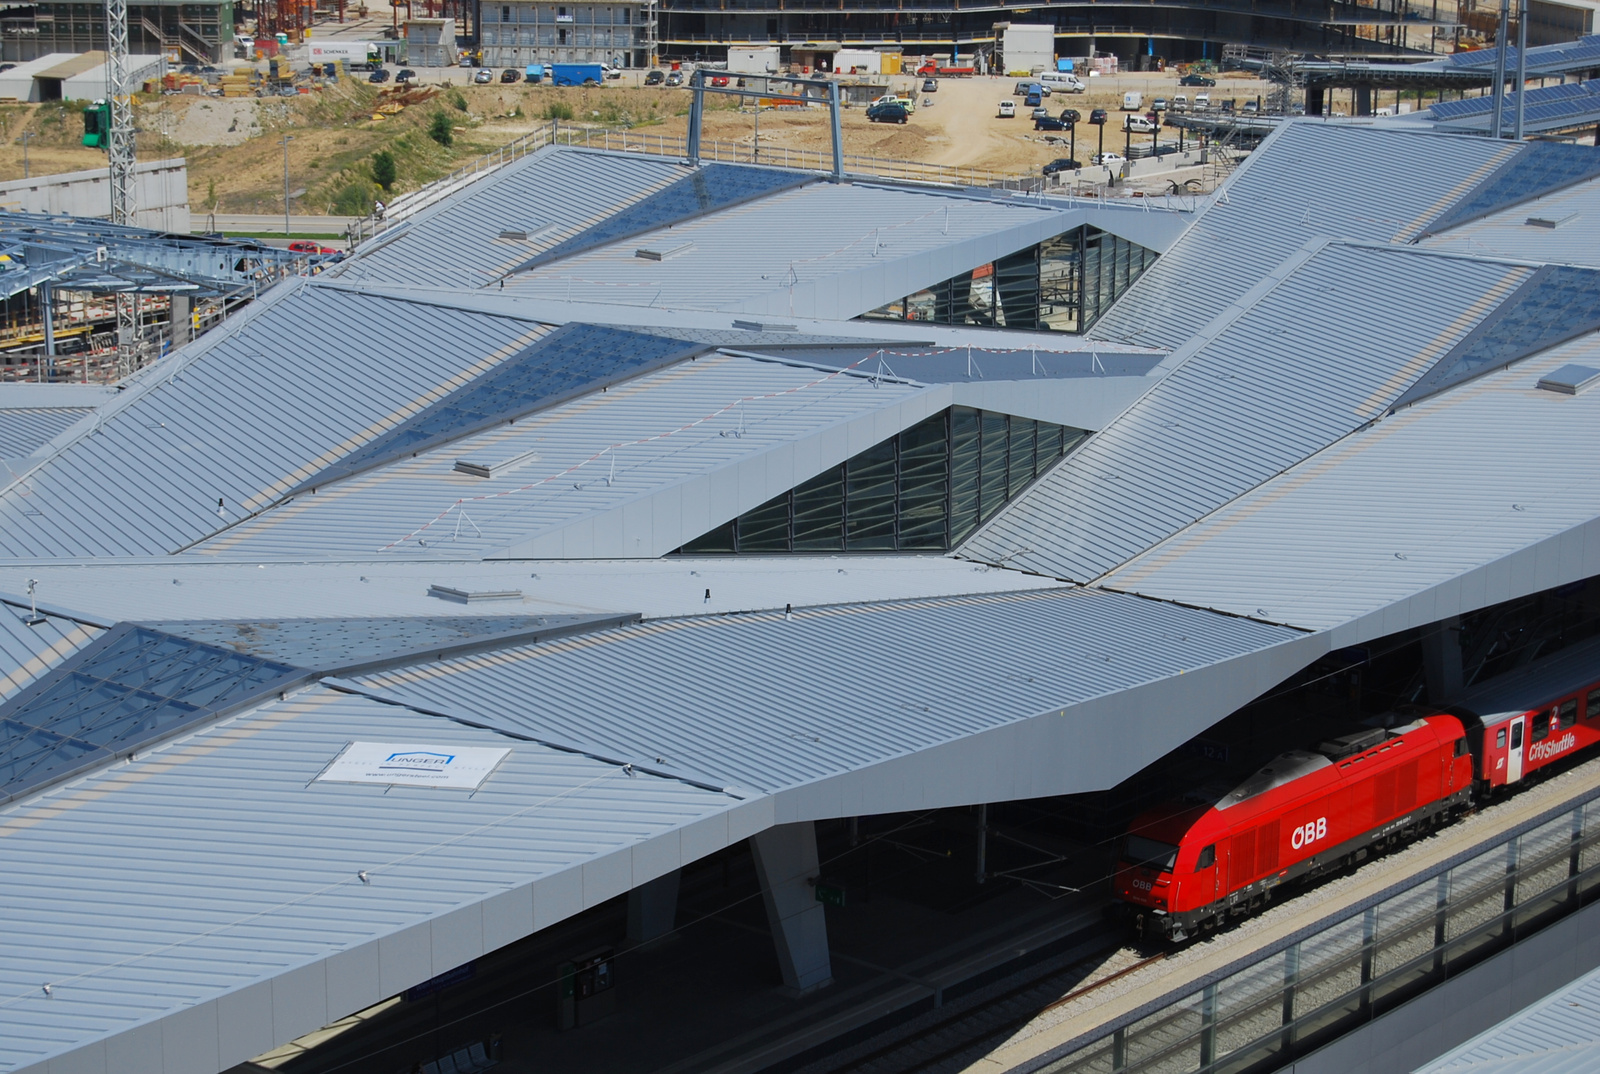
<point>927,1046</point>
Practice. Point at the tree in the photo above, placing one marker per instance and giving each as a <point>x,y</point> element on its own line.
<point>441,129</point>
<point>383,171</point>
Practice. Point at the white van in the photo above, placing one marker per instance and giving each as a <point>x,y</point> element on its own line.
<point>1138,125</point>
<point>1202,101</point>
<point>1063,82</point>
<point>1180,103</point>
<point>1132,101</point>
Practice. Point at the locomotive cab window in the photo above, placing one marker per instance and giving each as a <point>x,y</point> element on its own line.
<point>1150,853</point>
<point>1500,739</point>
<point>1541,726</point>
<point>1461,747</point>
<point>1567,715</point>
<point>1208,857</point>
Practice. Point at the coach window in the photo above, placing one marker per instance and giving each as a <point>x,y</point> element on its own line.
<point>1500,739</point>
<point>1568,714</point>
<point>1592,705</point>
<point>1541,726</point>
<point>1208,857</point>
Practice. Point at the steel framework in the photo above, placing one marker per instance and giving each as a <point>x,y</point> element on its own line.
<point>120,150</point>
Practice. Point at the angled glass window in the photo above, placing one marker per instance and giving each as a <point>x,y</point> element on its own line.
<point>573,359</point>
<point>1538,169</point>
<point>1555,304</point>
<point>924,490</point>
<point>1064,284</point>
<point>132,685</point>
<point>708,189</point>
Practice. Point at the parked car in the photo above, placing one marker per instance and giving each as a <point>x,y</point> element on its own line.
<point>1043,88</point>
<point>1046,123</point>
<point>1158,105</point>
<point>483,76</point>
<point>380,75</point>
<point>654,78</point>
<point>1039,113</point>
<point>1196,80</point>
<point>675,78</point>
<point>1251,107</point>
<point>1022,89</point>
<point>1110,160</point>
<point>1138,125</point>
<point>1070,115</point>
<point>1008,110</point>
<point>930,85</point>
<point>1098,116</point>
<point>888,112</point>
<point>1061,164</point>
<point>306,247</point>
<point>511,74</point>
<point>1202,101</point>
<point>1180,103</point>
<point>611,73</point>
<point>408,75</point>
<point>719,81</point>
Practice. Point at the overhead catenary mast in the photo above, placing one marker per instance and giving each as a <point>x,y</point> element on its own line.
<point>120,150</point>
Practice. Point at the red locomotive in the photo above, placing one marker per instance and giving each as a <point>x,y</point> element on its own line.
<point>1188,865</point>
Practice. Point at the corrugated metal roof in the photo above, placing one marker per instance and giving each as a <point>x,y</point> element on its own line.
<point>1304,365</point>
<point>1559,1034</point>
<point>1450,484</point>
<point>593,455</point>
<point>22,432</point>
<point>194,587</point>
<point>243,415</point>
<point>1561,228</point>
<point>1310,179</point>
<point>769,701</point>
<point>550,195</point>
<point>27,652</point>
<point>215,862</point>
<point>826,250</point>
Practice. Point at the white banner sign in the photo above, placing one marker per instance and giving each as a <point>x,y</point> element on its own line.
<point>455,767</point>
<point>328,51</point>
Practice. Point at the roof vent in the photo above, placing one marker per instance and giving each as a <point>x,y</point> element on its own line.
<point>1570,379</point>
<point>492,467</point>
<point>661,253</point>
<point>1551,221</point>
<point>524,234</point>
<point>463,596</point>
<point>765,326</point>
<point>1336,749</point>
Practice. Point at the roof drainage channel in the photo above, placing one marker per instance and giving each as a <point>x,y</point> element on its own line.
<point>574,360</point>
<point>708,189</point>
<point>1554,305</point>
<point>138,685</point>
<point>1540,168</point>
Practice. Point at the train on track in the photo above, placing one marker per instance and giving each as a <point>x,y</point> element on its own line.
<point>1188,866</point>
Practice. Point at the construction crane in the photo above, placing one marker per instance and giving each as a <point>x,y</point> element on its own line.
<point>120,151</point>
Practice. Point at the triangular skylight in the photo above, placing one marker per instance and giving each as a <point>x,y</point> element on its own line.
<point>705,190</point>
<point>1555,305</point>
<point>1540,168</point>
<point>132,685</point>
<point>570,361</point>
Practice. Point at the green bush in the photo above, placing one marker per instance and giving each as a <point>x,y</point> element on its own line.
<point>441,129</point>
<point>558,110</point>
<point>353,199</point>
<point>383,169</point>
<point>458,102</point>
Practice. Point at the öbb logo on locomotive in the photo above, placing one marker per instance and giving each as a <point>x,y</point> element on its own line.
<point>1309,832</point>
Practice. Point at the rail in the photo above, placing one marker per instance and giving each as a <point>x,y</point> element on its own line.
<point>1296,995</point>
<point>671,145</point>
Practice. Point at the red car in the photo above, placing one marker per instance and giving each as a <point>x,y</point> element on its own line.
<point>719,81</point>
<point>304,247</point>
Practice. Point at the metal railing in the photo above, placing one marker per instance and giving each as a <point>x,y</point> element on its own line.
<point>1298,994</point>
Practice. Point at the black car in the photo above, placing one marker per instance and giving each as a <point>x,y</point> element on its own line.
<point>405,75</point>
<point>1046,123</point>
<point>1098,116</point>
<point>1070,116</point>
<point>380,75</point>
<point>888,113</point>
<point>1196,80</point>
<point>1061,164</point>
<point>654,78</point>
<point>511,74</point>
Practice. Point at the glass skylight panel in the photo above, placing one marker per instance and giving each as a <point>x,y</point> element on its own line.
<point>133,685</point>
<point>707,189</point>
<point>571,360</point>
<point>1555,305</point>
<point>1538,169</point>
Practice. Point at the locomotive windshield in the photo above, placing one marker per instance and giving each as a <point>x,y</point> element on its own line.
<point>1150,853</point>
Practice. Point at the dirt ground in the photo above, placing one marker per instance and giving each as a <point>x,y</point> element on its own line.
<point>236,154</point>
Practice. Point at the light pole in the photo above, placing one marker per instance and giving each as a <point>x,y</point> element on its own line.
<point>286,140</point>
<point>25,136</point>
